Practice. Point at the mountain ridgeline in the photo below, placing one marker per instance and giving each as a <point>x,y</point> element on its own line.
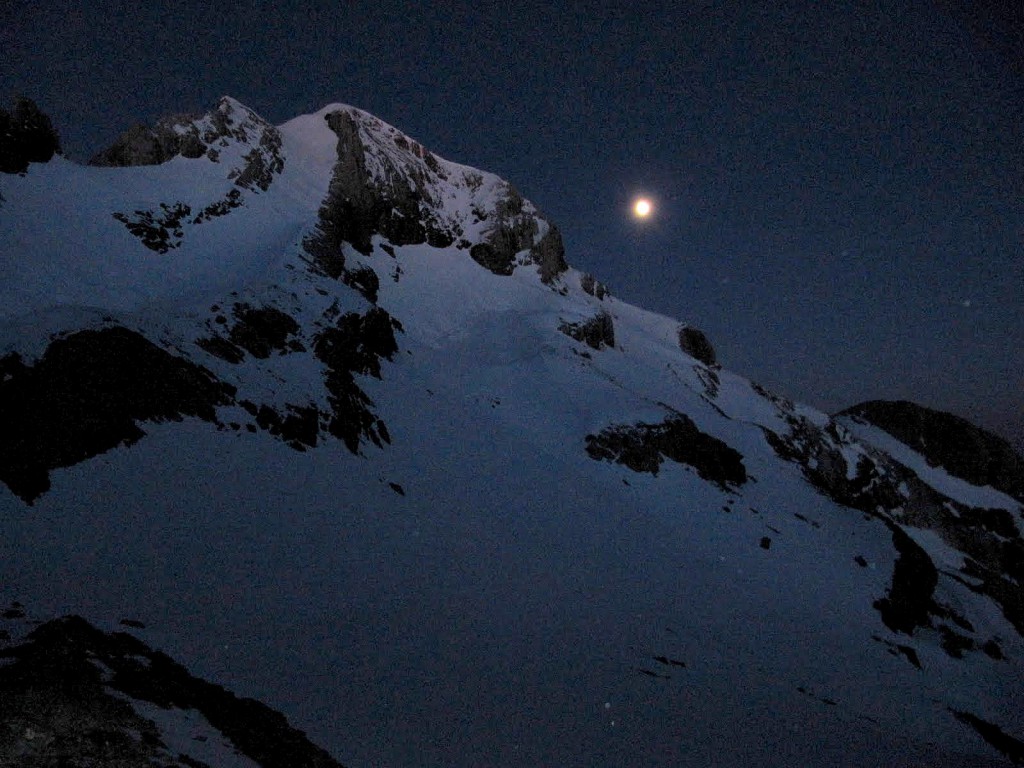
<point>337,419</point>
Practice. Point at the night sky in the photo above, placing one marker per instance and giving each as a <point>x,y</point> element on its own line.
<point>838,186</point>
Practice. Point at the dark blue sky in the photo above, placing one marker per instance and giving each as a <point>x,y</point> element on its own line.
<point>840,184</point>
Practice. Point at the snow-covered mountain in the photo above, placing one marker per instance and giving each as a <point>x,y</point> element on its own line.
<point>331,418</point>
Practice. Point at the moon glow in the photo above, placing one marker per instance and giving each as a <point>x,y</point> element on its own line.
<point>642,208</point>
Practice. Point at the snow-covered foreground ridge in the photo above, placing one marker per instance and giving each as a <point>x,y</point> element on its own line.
<point>334,416</point>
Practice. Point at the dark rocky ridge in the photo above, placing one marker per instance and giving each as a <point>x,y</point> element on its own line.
<point>514,231</point>
<point>193,136</point>
<point>593,286</point>
<point>258,331</point>
<point>355,345</point>
<point>142,145</point>
<point>348,345</point>
<point>914,578</point>
<point>158,231</point>
<point>961,448</point>
<point>881,487</point>
<point>358,207</point>
<point>62,704</point>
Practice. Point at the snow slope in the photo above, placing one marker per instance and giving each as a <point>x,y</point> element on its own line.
<point>471,586</point>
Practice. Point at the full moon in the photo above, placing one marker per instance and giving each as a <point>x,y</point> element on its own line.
<point>642,208</point>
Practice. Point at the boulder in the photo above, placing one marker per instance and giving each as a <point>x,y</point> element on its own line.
<point>694,343</point>
<point>592,286</point>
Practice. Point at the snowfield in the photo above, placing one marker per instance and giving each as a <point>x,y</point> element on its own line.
<point>477,589</point>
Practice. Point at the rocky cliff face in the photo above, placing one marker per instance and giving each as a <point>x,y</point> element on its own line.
<point>386,184</point>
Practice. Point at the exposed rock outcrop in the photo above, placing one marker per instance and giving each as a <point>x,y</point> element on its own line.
<point>694,343</point>
<point>386,184</point>
<point>355,345</point>
<point>881,487</point>
<point>592,286</point>
<point>159,231</point>
<point>597,332</point>
<point>909,602</point>
<point>1010,746</point>
<point>255,160</point>
<point>94,389</point>
<point>643,447</point>
<point>549,254</point>
<point>396,201</point>
<point>194,136</point>
<point>259,331</point>
<point>86,395</point>
<point>141,145</point>
<point>961,448</point>
<point>391,206</point>
<point>26,136</point>
<point>514,231</point>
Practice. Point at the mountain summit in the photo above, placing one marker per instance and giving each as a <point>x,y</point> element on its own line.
<point>335,420</point>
